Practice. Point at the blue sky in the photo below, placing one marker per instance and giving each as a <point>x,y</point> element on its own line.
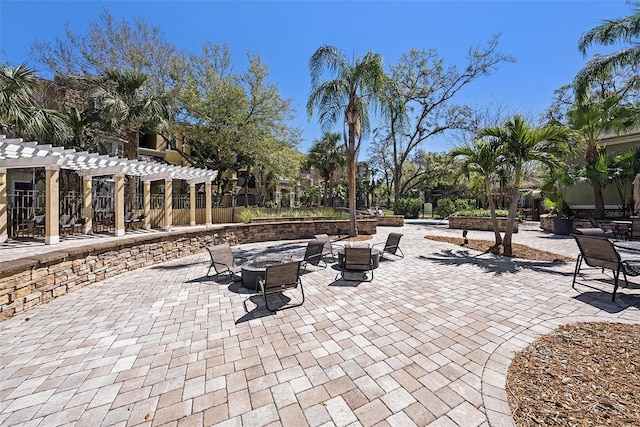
<point>541,35</point>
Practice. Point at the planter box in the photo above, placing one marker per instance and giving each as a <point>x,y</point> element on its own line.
<point>562,226</point>
<point>478,223</point>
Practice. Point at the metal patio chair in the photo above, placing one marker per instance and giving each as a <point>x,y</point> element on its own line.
<point>313,254</point>
<point>600,252</point>
<point>222,261</point>
<point>279,278</point>
<point>357,259</point>
<point>392,245</point>
<point>328,246</point>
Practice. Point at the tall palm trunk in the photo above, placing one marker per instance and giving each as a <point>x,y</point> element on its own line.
<point>351,171</point>
<point>494,219</point>
<point>598,200</point>
<point>131,151</point>
<point>325,193</point>
<point>511,219</point>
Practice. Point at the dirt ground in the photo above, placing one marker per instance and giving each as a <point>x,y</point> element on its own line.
<point>519,251</point>
<point>584,374</point>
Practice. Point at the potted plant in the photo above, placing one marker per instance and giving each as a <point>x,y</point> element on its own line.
<point>554,188</point>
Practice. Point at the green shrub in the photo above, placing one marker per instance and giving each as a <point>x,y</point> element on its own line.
<point>246,215</point>
<point>409,207</point>
<point>481,213</point>
<point>447,207</point>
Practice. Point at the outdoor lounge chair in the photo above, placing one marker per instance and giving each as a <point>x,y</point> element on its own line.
<point>328,246</point>
<point>279,278</point>
<point>608,231</point>
<point>357,259</point>
<point>222,261</point>
<point>66,226</point>
<point>601,253</point>
<point>313,254</point>
<point>392,245</point>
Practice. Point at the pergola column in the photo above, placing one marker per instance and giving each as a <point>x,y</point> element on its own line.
<point>52,205</point>
<point>4,233</point>
<point>192,204</point>
<point>168,204</point>
<point>88,204</point>
<point>207,192</point>
<point>119,205</point>
<point>147,205</point>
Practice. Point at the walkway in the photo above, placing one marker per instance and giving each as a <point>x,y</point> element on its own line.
<point>426,343</point>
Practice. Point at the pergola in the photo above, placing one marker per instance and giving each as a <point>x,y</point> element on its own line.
<point>15,153</point>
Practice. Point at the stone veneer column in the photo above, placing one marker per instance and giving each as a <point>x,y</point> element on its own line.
<point>168,204</point>
<point>207,196</point>
<point>119,206</point>
<point>52,197</point>
<point>88,204</point>
<point>147,205</point>
<point>4,233</point>
<point>192,204</point>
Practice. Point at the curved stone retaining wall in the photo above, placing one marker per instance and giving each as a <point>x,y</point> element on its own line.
<point>27,282</point>
<point>478,223</point>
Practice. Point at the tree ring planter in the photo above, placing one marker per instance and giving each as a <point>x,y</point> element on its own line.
<point>562,226</point>
<point>479,223</point>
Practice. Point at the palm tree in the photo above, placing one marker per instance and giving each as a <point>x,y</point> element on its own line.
<point>19,115</point>
<point>346,97</point>
<point>126,109</point>
<point>485,160</point>
<point>609,32</point>
<point>592,120</point>
<point>328,157</point>
<point>523,144</point>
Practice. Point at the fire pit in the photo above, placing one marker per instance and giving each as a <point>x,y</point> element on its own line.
<point>255,268</point>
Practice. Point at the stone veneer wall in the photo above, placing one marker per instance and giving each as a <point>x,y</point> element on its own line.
<point>546,223</point>
<point>478,223</point>
<point>27,282</point>
<point>390,220</point>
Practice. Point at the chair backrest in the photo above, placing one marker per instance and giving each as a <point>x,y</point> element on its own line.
<point>598,252</point>
<point>357,258</point>
<point>391,245</point>
<point>313,253</point>
<point>324,238</point>
<point>597,232</point>
<point>221,254</point>
<point>64,220</point>
<point>279,277</point>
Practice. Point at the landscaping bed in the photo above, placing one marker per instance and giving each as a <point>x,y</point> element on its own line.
<point>582,374</point>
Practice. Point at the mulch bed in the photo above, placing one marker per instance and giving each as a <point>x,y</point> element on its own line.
<point>582,374</point>
<point>519,251</point>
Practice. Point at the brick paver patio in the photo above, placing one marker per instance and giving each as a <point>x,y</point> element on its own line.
<point>427,342</point>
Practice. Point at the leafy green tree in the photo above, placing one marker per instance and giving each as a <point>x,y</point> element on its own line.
<point>327,157</point>
<point>625,167</point>
<point>591,121</point>
<point>620,30</point>
<point>314,193</point>
<point>125,108</point>
<point>236,119</point>
<point>346,97</point>
<point>418,99</point>
<point>484,159</point>
<point>523,144</point>
<point>20,116</point>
